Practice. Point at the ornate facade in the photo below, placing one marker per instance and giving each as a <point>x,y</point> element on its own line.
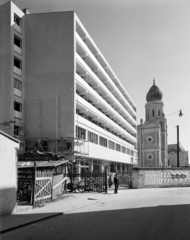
<point>152,133</point>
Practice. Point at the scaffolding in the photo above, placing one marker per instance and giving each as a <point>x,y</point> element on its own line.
<point>68,147</point>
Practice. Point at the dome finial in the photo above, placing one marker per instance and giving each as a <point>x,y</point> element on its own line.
<point>153,81</point>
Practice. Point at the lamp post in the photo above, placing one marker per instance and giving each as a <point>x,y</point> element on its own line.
<point>177,145</point>
<point>180,115</point>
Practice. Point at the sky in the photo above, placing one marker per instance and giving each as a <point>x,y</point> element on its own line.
<point>141,40</point>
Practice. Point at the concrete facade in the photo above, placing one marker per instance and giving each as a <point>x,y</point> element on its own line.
<point>71,101</point>
<point>8,173</point>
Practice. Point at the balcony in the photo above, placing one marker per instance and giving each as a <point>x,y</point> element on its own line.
<point>93,81</point>
<point>85,37</point>
<point>17,49</point>
<point>17,28</point>
<point>17,114</point>
<point>18,71</point>
<point>17,92</point>
<point>96,128</point>
<point>83,50</point>
<point>93,97</point>
<point>88,110</point>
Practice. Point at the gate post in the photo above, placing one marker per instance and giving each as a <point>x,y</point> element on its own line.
<point>34,184</point>
<point>106,179</point>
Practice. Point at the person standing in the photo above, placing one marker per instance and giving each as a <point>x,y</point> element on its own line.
<point>116,182</point>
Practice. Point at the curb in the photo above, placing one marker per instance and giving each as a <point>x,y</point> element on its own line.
<point>28,223</point>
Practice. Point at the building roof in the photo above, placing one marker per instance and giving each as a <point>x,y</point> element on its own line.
<point>41,164</point>
<point>9,136</point>
<point>154,94</point>
<point>174,147</point>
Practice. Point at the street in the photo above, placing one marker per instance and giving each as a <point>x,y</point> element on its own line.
<point>137,214</point>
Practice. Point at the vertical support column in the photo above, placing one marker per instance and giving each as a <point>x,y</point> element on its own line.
<point>78,167</point>
<point>120,165</point>
<point>109,168</point>
<point>65,183</point>
<point>91,166</point>
<point>177,145</point>
<point>106,179</point>
<point>102,168</point>
<point>34,184</point>
<point>115,167</point>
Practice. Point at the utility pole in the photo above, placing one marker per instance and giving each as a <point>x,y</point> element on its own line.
<point>177,145</point>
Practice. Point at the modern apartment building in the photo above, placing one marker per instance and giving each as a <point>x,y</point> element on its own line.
<point>59,94</point>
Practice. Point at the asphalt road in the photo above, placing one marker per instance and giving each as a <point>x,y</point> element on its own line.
<point>155,214</point>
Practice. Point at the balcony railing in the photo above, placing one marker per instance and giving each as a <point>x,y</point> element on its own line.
<point>99,66</point>
<point>17,28</point>
<point>17,49</point>
<point>18,71</point>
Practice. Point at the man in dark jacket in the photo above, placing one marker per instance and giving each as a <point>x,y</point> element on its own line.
<point>116,182</point>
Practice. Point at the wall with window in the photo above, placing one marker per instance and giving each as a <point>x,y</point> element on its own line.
<point>6,67</point>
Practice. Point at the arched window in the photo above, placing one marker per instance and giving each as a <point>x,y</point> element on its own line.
<point>159,112</point>
<point>153,113</point>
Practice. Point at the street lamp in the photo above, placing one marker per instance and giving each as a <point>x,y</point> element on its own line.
<point>180,115</point>
<point>177,145</point>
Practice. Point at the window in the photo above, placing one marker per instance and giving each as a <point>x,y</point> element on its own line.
<point>17,20</point>
<point>118,147</point>
<point>17,63</point>
<point>149,139</point>
<point>128,151</point>
<point>149,156</point>
<point>111,145</point>
<point>103,141</point>
<point>18,84</point>
<point>17,41</point>
<point>17,106</point>
<point>80,133</point>
<point>123,149</point>
<point>159,112</point>
<point>92,137</point>
<point>16,130</point>
<point>132,153</point>
<point>153,113</point>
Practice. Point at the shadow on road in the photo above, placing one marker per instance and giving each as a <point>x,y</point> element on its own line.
<point>150,223</point>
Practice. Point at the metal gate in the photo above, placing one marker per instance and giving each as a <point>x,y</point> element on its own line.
<point>125,179</point>
<point>87,182</point>
<point>25,181</point>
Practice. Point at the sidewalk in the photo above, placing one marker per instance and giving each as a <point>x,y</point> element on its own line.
<point>25,215</point>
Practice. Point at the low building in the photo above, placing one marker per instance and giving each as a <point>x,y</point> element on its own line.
<point>8,173</point>
<point>172,156</point>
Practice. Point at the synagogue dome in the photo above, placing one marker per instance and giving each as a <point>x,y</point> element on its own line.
<point>154,94</point>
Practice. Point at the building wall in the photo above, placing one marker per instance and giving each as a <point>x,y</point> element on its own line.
<point>5,65</point>
<point>160,177</point>
<point>8,29</point>
<point>50,74</point>
<point>8,174</point>
<point>183,158</point>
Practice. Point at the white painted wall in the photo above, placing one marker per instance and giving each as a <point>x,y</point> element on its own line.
<point>8,174</point>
